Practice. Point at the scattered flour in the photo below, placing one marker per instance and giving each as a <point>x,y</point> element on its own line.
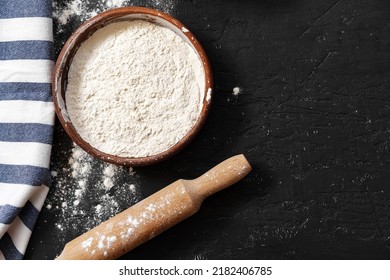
<point>82,10</point>
<point>87,243</point>
<point>108,184</point>
<point>134,89</point>
<point>208,95</point>
<point>85,181</point>
<point>236,91</point>
<point>109,171</point>
<point>98,208</point>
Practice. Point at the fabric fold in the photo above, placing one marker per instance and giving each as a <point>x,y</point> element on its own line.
<point>26,119</point>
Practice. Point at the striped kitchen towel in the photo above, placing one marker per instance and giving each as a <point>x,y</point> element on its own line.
<point>26,119</point>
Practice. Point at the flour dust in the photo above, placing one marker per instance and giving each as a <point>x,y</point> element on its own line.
<point>87,192</point>
<point>82,10</point>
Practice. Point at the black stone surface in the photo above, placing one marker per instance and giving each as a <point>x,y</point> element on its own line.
<point>312,118</point>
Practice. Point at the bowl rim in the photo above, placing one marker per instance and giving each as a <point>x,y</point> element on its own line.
<point>70,47</point>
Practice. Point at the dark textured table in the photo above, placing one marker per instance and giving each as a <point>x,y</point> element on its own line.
<point>313,118</point>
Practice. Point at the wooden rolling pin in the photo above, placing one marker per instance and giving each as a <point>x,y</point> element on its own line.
<point>155,214</point>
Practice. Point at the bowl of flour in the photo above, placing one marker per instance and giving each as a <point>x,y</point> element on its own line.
<point>132,86</point>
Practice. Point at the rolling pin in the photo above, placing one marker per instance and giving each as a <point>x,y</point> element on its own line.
<point>154,214</point>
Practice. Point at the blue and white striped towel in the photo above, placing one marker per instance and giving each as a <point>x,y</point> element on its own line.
<point>26,119</point>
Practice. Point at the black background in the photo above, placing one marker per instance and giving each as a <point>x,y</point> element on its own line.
<point>312,118</point>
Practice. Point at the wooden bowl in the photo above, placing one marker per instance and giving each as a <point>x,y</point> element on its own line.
<point>60,76</point>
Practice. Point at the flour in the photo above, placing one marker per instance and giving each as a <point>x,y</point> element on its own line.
<point>81,198</point>
<point>236,91</point>
<point>135,89</point>
<point>82,10</point>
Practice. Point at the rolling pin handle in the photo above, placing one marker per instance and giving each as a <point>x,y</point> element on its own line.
<point>221,176</point>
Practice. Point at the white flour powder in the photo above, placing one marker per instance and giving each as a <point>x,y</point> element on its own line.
<point>65,11</point>
<point>236,91</point>
<point>135,89</point>
<point>87,192</point>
